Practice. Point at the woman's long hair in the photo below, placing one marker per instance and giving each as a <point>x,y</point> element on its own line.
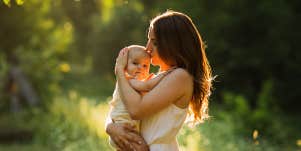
<point>178,40</point>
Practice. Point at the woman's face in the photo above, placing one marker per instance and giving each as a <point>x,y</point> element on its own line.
<point>151,48</point>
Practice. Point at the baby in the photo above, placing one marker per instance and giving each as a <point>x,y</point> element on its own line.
<point>138,70</point>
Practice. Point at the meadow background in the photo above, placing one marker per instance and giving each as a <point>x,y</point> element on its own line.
<point>57,60</point>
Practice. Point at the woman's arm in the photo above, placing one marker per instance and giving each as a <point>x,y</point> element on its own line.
<point>174,86</point>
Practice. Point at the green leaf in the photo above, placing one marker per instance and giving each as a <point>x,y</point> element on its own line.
<point>19,2</point>
<point>7,2</point>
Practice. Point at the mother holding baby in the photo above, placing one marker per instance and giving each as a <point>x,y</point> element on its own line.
<point>175,45</point>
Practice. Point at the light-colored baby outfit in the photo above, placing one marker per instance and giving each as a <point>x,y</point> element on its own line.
<point>159,130</point>
<point>119,114</point>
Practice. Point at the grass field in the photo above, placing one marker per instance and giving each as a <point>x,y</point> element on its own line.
<point>74,121</point>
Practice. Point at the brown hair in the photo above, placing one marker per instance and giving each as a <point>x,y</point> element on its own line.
<point>178,40</point>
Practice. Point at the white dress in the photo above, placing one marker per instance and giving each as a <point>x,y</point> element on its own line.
<point>160,129</point>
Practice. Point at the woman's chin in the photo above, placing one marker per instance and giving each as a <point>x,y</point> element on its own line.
<point>155,63</point>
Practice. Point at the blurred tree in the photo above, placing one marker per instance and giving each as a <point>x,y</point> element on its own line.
<point>18,2</point>
<point>13,34</point>
<point>81,13</point>
<point>248,42</point>
<point>127,26</point>
<point>29,36</point>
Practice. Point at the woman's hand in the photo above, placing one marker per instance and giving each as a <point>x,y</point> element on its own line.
<point>126,138</point>
<point>121,61</point>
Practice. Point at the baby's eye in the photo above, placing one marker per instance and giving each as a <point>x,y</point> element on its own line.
<point>145,66</point>
<point>135,63</point>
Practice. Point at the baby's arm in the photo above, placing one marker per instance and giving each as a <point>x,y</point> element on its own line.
<point>145,86</point>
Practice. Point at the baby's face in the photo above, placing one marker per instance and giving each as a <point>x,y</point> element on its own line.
<point>138,64</point>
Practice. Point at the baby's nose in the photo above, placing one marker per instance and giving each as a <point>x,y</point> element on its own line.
<point>139,66</point>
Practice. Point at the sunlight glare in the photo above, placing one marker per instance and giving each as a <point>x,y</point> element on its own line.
<point>255,134</point>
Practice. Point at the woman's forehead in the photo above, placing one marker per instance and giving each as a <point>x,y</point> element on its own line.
<point>151,33</point>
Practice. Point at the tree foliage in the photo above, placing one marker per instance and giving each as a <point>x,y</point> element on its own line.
<point>248,42</point>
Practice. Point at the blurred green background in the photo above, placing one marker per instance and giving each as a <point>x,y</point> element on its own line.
<point>57,59</point>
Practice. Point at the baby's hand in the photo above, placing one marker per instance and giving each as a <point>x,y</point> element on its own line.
<point>150,76</point>
<point>129,77</point>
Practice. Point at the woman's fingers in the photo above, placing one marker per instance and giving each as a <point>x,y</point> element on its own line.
<point>131,134</point>
<point>121,60</point>
<point>140,147</point>
<point>130,128</point>
<point>125,143</point>
<point>134,137</point>
<point>118,142</point>
<point>123,51</point>
<point>125,136</point>
<point>122,138</point>
<point>122,55</point>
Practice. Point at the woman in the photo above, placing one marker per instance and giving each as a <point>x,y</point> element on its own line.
<point>174,44</point>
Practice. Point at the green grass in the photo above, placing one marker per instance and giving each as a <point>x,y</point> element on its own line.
<point>78,124</point>
<point>74,121</point>
<point>23,147</point>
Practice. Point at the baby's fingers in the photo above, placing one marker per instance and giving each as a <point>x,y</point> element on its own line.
<point>150,76</point>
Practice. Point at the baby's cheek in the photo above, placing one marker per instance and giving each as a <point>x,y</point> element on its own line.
<point>146,74</point>
<point>143,75</point>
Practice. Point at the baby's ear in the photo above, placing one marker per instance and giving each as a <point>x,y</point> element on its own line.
<point>150,76</point>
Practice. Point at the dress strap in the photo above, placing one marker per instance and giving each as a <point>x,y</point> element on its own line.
<point>170,70</point>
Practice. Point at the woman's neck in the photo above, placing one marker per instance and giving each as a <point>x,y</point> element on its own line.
<point>165,68</point>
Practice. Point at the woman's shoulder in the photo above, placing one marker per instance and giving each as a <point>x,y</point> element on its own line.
<point>181,72</point>
<point>184,84</point>
<point>181,75</point>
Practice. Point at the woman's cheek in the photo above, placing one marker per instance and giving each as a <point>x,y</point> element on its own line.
<point>154,62</point>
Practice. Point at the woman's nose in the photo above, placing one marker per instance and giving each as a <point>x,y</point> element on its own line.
<point>148,47</point>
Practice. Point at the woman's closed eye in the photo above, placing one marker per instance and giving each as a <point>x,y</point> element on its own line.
<point>155,43</point>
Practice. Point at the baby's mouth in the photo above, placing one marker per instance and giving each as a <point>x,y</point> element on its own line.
<point>137,73</point>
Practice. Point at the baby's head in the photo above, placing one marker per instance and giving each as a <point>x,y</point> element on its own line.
<point>138,62</point>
